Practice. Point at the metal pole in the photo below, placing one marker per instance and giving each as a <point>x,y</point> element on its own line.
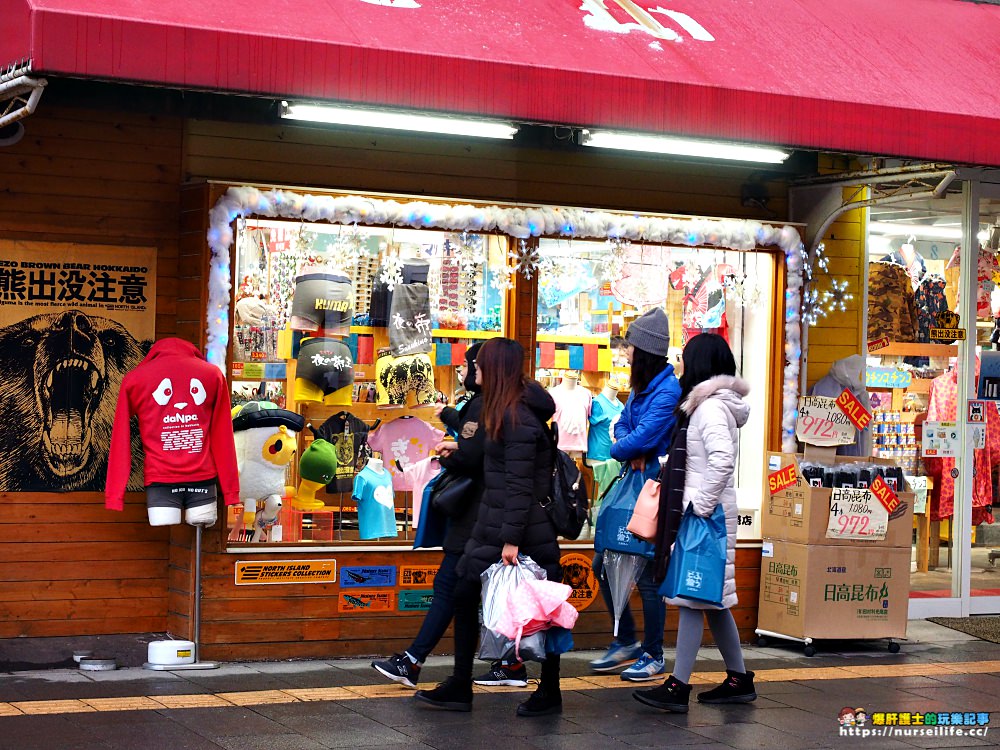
<point>196,614</point>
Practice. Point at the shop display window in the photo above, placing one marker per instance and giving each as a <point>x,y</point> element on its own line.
<point>354,334</point>
<point>590,291</point>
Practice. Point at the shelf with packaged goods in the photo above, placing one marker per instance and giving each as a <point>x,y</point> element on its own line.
<point>555,338</point>
<point>438,333</point>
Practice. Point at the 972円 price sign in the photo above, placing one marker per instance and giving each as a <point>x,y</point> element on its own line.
<point>856,514</point>
<point>822,422</point>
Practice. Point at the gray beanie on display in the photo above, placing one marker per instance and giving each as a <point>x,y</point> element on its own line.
<point>650,332</point>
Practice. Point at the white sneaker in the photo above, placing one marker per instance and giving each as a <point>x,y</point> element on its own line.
<point>645,668</point>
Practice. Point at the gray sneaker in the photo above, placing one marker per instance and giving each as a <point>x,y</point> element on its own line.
<point>617,655</point>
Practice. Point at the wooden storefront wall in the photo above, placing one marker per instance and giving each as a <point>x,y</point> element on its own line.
<point>81,175</point>
<point>68,567</point>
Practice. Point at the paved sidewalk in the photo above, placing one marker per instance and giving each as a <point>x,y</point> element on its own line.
<point>309,705</point>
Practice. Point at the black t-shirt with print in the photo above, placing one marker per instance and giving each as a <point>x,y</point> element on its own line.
<point>349,436</point>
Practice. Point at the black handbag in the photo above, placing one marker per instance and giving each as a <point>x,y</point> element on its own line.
<point>451,492</point>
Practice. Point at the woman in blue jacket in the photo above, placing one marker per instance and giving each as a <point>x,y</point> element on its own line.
<point>642,435</point>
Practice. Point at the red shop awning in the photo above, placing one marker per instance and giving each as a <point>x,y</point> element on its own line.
<point>916,79</point>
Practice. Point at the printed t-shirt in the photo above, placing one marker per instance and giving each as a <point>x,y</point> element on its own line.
<point>419,474</point>
<point>402,442</point>
<point>603,412</point>
<point>376,503</point>
<point>572,413</point>
<point>349,436</point>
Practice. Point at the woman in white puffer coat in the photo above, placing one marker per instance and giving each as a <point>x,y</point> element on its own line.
<point>713,409</point>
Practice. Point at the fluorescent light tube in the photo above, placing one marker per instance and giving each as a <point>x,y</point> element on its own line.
<point>657,144</point>
<point>925,231</point>
<point>396,120</point>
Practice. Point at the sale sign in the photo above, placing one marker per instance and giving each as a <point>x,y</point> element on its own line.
<point>885,495</point>
<point>855,411</point>
<point>783,479</point>
<point>821,422</point>
<point>856,514</point>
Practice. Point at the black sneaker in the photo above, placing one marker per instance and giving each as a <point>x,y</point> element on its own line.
<point>736,688</point>
<point>399,669</point>
<point>673,695</point>
<point>505,675</point>
<point>451,695</point>
<point>541,703</point>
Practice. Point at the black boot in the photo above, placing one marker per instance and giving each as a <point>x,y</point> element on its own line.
<point>736,688</point>
<point>541,703</point>
<point>673,695</point>
<point>547,699</point>
<point>451,695</point>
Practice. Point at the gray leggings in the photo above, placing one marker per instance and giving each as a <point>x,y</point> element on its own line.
<point>690,629</point>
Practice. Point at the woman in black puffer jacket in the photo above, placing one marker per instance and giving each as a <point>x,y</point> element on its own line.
<point>517,476</point>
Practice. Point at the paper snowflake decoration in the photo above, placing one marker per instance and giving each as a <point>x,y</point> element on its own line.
<point>355,244</point>
<point>739,291</point>
<point>526,259</point>
<point>471,249</point>
<point>611,264</point>
<point>501,278</point>
<point>392,271</point>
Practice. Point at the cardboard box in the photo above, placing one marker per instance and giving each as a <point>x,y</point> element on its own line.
<point>828,591</point>
<point>800,513</point>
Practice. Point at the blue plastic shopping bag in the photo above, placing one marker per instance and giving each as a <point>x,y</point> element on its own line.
<point>616,511</point>
<point>697,568</point>
<point>433,524</point>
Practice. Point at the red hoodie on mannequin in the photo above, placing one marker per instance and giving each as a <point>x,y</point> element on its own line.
<point>182,403</point>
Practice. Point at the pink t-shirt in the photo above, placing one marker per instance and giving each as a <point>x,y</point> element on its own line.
<point>572,415</point>
<point>402,443</point>
<point>419,474</point>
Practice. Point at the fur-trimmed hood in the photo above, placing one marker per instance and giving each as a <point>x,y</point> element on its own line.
<point>728,389</point>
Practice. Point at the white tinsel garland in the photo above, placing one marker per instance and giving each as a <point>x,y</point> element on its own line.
<point>520,223</point>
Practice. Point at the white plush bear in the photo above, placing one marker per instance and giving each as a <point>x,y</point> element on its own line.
<point>266,442</point>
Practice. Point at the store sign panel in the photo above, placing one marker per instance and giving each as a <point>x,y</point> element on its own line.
<point>821,422</point>
<point>887,377</point>
<point>257,572</point>
<point>578,574</point>
<point>857,514</point>
<point>940,440</point>
<point>781,480</point>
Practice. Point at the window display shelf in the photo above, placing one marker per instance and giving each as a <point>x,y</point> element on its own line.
<point>917,350</point>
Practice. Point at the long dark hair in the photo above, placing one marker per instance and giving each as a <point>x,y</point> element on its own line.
<point>645,367</point>
<point>500,361</point>
<point>705,356</point>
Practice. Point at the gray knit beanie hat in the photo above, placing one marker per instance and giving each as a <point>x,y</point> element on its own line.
<point>650,332</point>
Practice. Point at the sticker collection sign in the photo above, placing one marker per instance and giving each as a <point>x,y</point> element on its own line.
<point>414,600</point>
<point>417,575</point>
<point>366,601</point>
<point>368,577</point>
<point>821,422</point>
<point>857,514</point>
<point>285,571</point>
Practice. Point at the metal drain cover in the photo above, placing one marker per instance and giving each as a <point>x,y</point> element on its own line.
<point>98,665</point>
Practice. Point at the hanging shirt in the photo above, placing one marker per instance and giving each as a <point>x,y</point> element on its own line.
<point>572,413</point>
<point>376,504</point>
<point>349,436</point>
<point>603,411</point>
<point>402,442</point>
<point>419,474</point>
<point>942,406</point>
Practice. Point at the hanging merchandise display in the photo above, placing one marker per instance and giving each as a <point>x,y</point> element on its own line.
<point>402,443</point>
<point>373,492</point>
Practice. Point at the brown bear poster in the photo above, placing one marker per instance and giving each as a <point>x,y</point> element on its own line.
<point>73,320</point>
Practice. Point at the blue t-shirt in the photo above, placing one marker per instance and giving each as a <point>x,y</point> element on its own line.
<point>376,503</point>
<point>602,412</point>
